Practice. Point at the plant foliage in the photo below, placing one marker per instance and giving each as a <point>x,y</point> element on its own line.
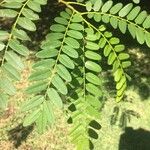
<point>68,69</point>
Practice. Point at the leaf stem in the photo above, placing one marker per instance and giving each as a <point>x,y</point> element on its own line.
<point>84,74</point>
<point>118,17</point>
<point>76,3</point>
<point>13,28</point>
<point>58,56</point>
<point>107,42</point>
<point>92,26</point>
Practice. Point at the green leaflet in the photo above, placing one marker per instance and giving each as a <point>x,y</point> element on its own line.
<point>93,66</point>
<point>32,103</point>
<point>11,71</point>
<point>136,1</point>
<point>14,60</point>
<point>65,15</point>
<point>47,53</point>
<point>92,37</point>
<point>75,34</point>
<point>93,78</point>
<point>82,145</point>
<point>48,109</point>
<point>41,121</point>
<point>147,39</point>
<point>28,13</point>
<point>93,89</point>
<point>141,17</point>
<point>97,5</point>
<point>3,101</point>
<point>44,64</point>
<point>92,46</point>
<point>58,28</point>
<point>123,56</point>
<point>41,2</point>
<point>88,6</point>
<point>92,111</point>
<point>108,34</point>
<point>114,40</point>
<point>121,82</point>
<point>72,42</point>
<point>20,1</point>
<point>76,26</point>
<point>76,134</point>
<point>2,46</point>
<point>146,23</point>
<point>54,36</point>
<point>20,34</point>
<point>126,64</point>
<point>102,42</point>
<point>3,35</point>
<point>77,128</point>
<point>116,8</point>
<point>111,58</point>
<point>90,16</point>
<point>19,48</point>
<point>70,51</point>
<point>7,86</point>
<point>59,84</point>
<point>132,30</point>
<point>54,97</point>
<point>120,92</point>
<point>48,44</point>
<point>116,65</point>
<point>122,26</point>
<point>34,6</point>
<point>92,55</point>
<point>105,18</point>
<point>118,74</point>
<point>97,17</point>
<point>69,11</point>
<point>107,50</point>
<point>26,24</point>
<point>119,98</point>
<point>31,118</point>
<point>66,61</point>
<point>12,5</point>
<point>114,22</point>
<point>61,20</point>
<point>93,101</point>
<point>140,35</point>
<point>64,73</point>
<point>119,48</point>
<point>8,13</point>
<point>125,10</point>
<point>102,28</point>
<point>77,18</point>
<point>107,6</point>
<point>36,87</point>
<point>40,75</point>
<point>133,13</point>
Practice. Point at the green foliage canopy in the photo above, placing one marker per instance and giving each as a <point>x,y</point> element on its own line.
<point>68,69</point>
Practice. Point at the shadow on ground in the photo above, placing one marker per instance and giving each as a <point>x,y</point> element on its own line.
<point>19,134</point>
<point>138,139</point>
